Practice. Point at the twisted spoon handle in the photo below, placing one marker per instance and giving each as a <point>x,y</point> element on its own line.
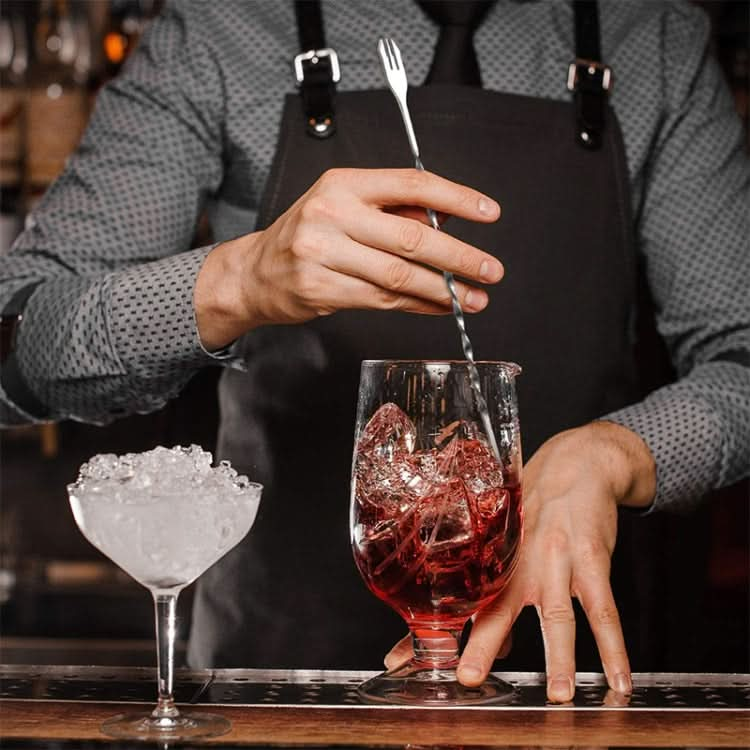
<point>468,349</point>
<point>395,73</point>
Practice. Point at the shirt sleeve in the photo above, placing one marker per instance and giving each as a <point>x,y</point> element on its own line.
<point>694,233</point>
<point>111,328</point>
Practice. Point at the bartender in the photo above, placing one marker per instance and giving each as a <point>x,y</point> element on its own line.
<point>609,138</point>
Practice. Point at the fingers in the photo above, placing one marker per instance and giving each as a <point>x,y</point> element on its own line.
<point>358,239</point>
<point>394,274</point>
<point>369,228</point>
<point>403,651</point>
<point>491,630</point>
<point>595,594</point>
<point>360,294</point>
<point>400,653</point>
<point>558,624</point>
<point>412,187</point>
<point>559,632</point>
<point>615,699</point>
<point>417,213</point>
<point>419,243</point>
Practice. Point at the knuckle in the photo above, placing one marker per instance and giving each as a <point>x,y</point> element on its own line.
<point>557,614</point>
<point>411,237</point>
<point>334,176</point>
<point>318,207</point>
<point>303,244</point>
<point>467,199</point>
<point>398,275</point>
<point>412,181</point>
<point>466,263</point>
<point>557,542</point>
<point>388,300</point>
<point>606,615</point>
<point>592,553</point>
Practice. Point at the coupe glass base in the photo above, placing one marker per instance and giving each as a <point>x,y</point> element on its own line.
<point>147,727</point>
<point>419,685</point>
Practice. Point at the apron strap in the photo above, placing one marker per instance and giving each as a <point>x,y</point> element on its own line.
<point>316,69</point>
<point>588,78</point>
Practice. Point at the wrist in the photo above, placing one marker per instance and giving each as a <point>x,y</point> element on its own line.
<point>219,296</point>
<point>628,462</point>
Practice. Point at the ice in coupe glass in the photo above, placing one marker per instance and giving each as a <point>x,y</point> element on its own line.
<point>436,517</point>
<point>164,516</point>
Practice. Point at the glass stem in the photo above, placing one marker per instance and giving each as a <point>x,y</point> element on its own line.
<point>436,649</point>
<point>165,604</point>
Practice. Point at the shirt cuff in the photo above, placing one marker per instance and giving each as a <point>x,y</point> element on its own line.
<point>684,438</point>
<point>152,317</point>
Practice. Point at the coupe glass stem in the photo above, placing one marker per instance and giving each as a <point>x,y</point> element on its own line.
<point>165,604</point>
<point>435,649</point>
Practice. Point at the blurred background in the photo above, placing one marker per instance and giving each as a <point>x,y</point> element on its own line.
<point>62,602</point>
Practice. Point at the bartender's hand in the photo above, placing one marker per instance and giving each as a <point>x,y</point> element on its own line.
<point>356,239</point>
<point>572,487</point>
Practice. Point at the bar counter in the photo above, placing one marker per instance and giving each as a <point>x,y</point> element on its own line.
<point>39,705</point>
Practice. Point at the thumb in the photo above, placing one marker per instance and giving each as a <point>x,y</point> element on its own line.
<point>400,653</point>
<point>489,635</point>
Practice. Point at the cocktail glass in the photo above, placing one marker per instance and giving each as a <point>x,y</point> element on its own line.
<point>436,515</point>
<point>164,516</point>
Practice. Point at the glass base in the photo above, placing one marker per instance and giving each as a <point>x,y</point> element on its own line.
<point>419,685</point>
<point>181,727</point>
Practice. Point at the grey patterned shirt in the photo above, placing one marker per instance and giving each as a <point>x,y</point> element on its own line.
<point>191,125</point>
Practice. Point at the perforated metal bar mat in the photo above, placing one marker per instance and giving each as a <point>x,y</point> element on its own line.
<point>245,687</point>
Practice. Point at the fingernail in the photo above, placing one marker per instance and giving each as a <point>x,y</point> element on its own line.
<point>622,683</point>
<point>489,271</point>
<point>473,301</point>
<point>470,672</point>
<point>561,689</point>
<point>487,207</point>
<point>390,658</point>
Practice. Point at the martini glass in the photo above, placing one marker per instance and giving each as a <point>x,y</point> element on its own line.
<point>436,515</point>
<point>164,516</point>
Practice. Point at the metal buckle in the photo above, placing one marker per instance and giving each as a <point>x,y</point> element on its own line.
<point>589,68</point>
<point>313,57</point>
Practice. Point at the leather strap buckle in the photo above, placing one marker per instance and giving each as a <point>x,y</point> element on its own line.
<point>314,57</point>
<point>589,74</point>
<point>317,72</point>
<point>590,81</point>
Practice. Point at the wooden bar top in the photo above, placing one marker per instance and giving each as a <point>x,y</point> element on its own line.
<point>322,709</point>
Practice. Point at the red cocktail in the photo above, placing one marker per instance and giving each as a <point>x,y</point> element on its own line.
<point>436,513</point>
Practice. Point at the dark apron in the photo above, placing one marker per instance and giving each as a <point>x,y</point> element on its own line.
<point>290,595</point>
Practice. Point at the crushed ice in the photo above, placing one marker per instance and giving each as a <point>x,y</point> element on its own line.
<point>161,471</point>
